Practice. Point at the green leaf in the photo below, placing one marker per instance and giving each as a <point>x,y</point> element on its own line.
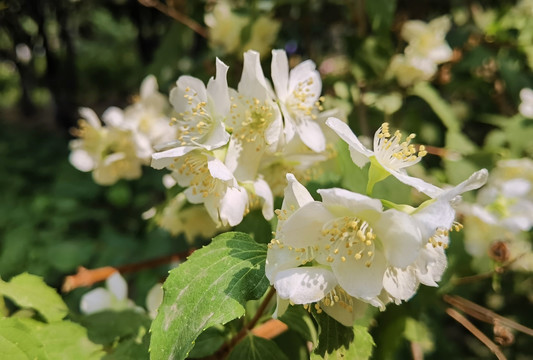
<point>256,348</point>
<point>381,13</point>
<point>334,339</point>
<point>298,319</point>
<point>210,288</point>
<point>416,331</point>
<point>16,342</point>
<point>64,340</point>
<point>443,110</point>
<point>106,327</point>
<point>361,347</point>
<point>30,291</point>
<point>457,141</point>
<point>208,342</point>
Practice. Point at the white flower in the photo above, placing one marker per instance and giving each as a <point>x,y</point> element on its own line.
<point>526,105</point>
<point>263,33</point>
<point>428,40</point>
<point>298,92</point>
<point>200,115</point>
<point>254,121</point>
<point>210,182</point>
<point>111,153</point>
<point>114,297</point>
<point>350,241</point>
<point>225,27</point>
<point>391,155</point>
<point>409,70</point>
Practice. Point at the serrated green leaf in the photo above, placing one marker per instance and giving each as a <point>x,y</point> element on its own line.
<point>361,347</point>
<point>63,340</point>
<point>210,288</point>
<point>256,348</point>
<point>208,342</point>
<point>334,339</point>
<point>107,326</point>
<point>297,319</point>
<point>16,342</point>
<point>30,291</point>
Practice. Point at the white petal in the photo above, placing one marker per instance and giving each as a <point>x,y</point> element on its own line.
<point>437,215</point>
<point>311,135</point>
<point>431,265</point>
<point>148,86</point>
<point>218,170</point>
<point>114,117</point>
<point>90,116</point>
<point>279,259</point>
<point>304,285</point>
<point>117,286</point>
<point>109,159</point>
<point>358,151</point>
<point>262,189</point>
<point>187,86</point>
<point>419,184</point>
<point>359,280</point>
<point>295,193</point>
<point>400,236</point>
<point>354,202</point>
<point>304,226</point>
<point>217,88</point>
<point>154,298</point>
<point>163,159</point>
<point>96,300</point>
<point>400,284</point>
<point>81,160</point>
<point>280,73</point>
<point>475,181</point>
<point>253,82</point>
<point>232,206</point>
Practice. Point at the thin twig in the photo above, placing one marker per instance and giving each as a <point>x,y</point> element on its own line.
<point>476,332</point>
<point>270,329</point>
<point>87,277</point>
<point>176,15</point>
<point>484,314</point>
<point>416,351</point>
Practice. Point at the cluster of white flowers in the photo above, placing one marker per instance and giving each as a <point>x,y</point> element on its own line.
<point>503,213</point>
<point>118,148</point>
<point>347,251</point>
<point>226,27</point>
<point>233,147</point>
<point>426,49</point>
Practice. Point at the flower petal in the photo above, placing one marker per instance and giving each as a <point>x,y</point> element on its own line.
<point>117,286</point>
<point>304,285</point>
<point>401,284</point>
<point>303,228</point>
<point>217,88</point>
<point>400,236</point>
<point>311,134</point>
<point>361,281</point>
<point>96,300</point>
<point>358,151</point>
<point>280,73</point>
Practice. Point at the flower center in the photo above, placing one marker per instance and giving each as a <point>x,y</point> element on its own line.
<point>394,153</point>
<point>249,118</point>
<point>194,123</point>
<point>336,296</point>
<point>194,167</point>
<point>303,102</point>
<point>349,239</point>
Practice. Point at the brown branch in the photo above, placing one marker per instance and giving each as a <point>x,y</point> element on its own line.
<point>416,351</point>
<point>270,329</point>
<point>476,332</point>
<point>87,277</point>
<point>176,15</point>
<point>484,314</point>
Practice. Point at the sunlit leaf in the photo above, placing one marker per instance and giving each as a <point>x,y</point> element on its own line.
<point>210,288</point>
<point>30,291</point>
